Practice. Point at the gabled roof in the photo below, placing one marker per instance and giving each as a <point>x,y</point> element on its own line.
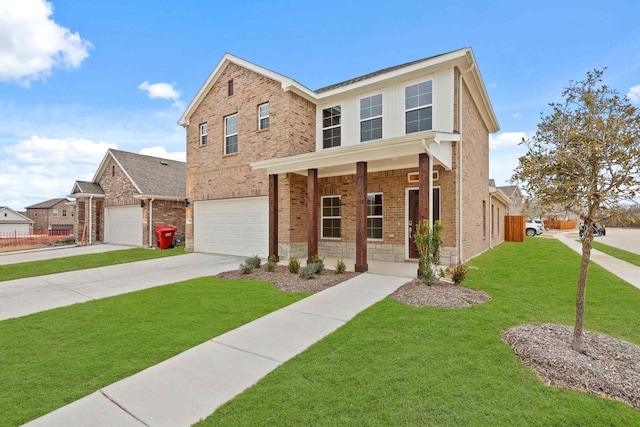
<point>16,217</point>
<point>86,188</point>
<point>151,176</point>
<point>509,189</point>
<point>47,204</point>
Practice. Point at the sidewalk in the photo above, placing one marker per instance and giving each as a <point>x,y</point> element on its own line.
<point>55,252</point>
<point>622,269</point>
<point>192,385</point>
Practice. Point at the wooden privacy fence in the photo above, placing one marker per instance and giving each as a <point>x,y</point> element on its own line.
<point>569,224</point>
<point>15,239</point>
<point>514,228</point>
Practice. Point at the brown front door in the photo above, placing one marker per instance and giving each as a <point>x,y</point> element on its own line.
<point>413,217</point>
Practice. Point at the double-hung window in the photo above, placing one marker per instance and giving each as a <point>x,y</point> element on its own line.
<point>331,217</point>
<point>231,134</point>
<point>203,134</point>
<point>371,118</point>
<point>263,116</point>
<point>418,105</point>
<point>374,216</point>
<point>331,127</point>
<point>55,212</point>
<point>64,212</point>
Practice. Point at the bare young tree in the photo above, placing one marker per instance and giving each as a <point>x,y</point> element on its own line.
<point>585,156</point>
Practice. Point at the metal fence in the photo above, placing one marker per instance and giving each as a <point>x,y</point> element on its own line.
<point>39,238</point>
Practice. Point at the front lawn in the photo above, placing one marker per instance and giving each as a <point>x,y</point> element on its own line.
<point>627,256</point>
<point>399,365</point>
<point>52,358</point>
<point>81,262</point>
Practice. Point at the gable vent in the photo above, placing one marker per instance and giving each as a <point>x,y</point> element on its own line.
<point>162,162</point>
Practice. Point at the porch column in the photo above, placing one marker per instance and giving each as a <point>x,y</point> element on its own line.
<point>312,213</point>
<point>273,215</point>
<point>424,187</point>
<point>361,217</point>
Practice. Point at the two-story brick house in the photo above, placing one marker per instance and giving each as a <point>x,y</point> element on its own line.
<point>274,168</point>
<point>52,215</point>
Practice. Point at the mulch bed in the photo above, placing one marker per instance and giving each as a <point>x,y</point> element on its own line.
<point>610,368</point>
<point>440,295</point>
<point>289,282</point>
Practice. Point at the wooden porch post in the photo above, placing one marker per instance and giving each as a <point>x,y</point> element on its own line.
<point>312,214</point>
<point>424,187</point>
<point>273,215</point>
<point>361,217</point>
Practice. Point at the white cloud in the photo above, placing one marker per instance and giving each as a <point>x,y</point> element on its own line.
<point>516,115</point>
<point>492,85</point>
<point>58,151</point>
<point>634,94</point>
<point>162,153</point>
<point>506,139</point>
<point>160,90</point>
<point>32,44</point>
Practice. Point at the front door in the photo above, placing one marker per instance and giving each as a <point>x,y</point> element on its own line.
<point>412,209</point>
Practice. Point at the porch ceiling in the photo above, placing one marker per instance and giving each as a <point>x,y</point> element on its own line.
<point>390,154</point>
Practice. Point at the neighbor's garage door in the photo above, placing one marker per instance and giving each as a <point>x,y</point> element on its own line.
<point>123,225</point>
<point>232,226</point>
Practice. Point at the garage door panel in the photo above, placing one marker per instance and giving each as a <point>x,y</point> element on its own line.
<point>123,225</point>
<point>233,226</point>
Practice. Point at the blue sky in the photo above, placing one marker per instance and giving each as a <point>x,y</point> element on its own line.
<point>92,75</point>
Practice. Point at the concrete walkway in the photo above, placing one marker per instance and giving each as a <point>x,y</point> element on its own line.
<point>55,252</point>
<point>190,386</point>
<point>31,295</point>
<point>622,269</point>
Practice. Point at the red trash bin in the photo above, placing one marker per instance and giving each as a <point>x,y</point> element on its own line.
<point>164,236</point>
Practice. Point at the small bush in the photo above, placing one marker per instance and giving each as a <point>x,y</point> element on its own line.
<point>458,273</point>
<point>308,272</point>
<point>254,261</point>
<point>340,266</point>
<point>246,268</point>
<point>271,266</point>
<point>274,258</point>
<point>318,262</point>
<point>294,265</point>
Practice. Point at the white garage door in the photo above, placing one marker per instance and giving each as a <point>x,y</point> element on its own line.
<point>123,225</point>
<point>11,229</point>
<point>232,226</point>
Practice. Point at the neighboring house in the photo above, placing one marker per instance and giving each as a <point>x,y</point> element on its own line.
<point>53,215</point>
<point>348,170</point>
<point>12,222</point>
<point>129,195</point>
<point>515,195</point>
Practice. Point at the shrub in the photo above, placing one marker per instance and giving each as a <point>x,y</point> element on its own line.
<point>318,262</point>
<point>273,258</point>
<point>340,266</point>
<point>271,265</point>
<point>246,268</point>
<point>458,273</point>
<point>294,265</point>
<point>308,272</point>
<point>428,241</point>
<point>254,261</point>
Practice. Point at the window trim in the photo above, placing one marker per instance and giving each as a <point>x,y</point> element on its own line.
<point>203,136</point>
<point>368,119</point>
<point>64,212</point>
<point>54,212</point>
<point>260,118</point>
<point>227,136</point>
<point>323,217</point>
<point>419,107</point>
<point>339,125</point>
<point>376,239</point>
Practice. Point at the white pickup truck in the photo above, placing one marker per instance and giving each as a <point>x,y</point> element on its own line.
<point>534,227</point>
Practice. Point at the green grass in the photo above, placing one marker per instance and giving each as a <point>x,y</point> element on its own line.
<point>81,262</point>
<point>404,366</point>
<point>627,256</point>
<point>52,358</point>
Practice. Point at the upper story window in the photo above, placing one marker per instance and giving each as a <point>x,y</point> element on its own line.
<point>418,105</point>
<point>231,134</point>
<point>203,134</point>
<point>64,212</point>
<point>374,216</point>
<point>331,217</point>
<point>263,116</point>
<point>55,212</point>
<point>371,118</point>
<point>230,87</point>
<point>73,212</point>
<point>331,127</point>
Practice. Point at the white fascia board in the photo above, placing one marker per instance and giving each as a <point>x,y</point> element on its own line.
<point>86,196</point>
<point>499,194</point>
<point>479,92</point>
<point>155,197</point>
<point>104,162</point>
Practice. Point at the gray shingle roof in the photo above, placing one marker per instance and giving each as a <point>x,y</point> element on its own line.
<point>154,176</point>
<point>86,187</point>
<point>47,204</point>
<point>508,189</point>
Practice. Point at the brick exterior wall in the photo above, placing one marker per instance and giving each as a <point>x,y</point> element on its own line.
<point>213,175</point>
<point>165,212</point>
<point>498,212</point>
<point>44,218</point>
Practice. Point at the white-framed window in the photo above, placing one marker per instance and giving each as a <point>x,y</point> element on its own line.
<point>332,127</point>
<point>374,216</point>
<point>371,118</point>
<point>331,215</point>
<point>418,105</point>
<point>263,116</point>
<point>64,212</point>
<point>203,134</point>
<point>231,134</point>
<point>55,212</point>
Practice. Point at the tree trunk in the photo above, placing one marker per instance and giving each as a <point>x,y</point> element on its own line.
<point>578,341</point>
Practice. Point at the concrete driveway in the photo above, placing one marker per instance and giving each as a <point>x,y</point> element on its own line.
<point>622,238</point>
<point>26,296</point>
<point>52,253</point>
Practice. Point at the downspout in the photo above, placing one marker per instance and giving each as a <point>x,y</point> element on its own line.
<point>460,217</point>
<point>90,217</point>
<point>490,221</point>
<point>151,222</point>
